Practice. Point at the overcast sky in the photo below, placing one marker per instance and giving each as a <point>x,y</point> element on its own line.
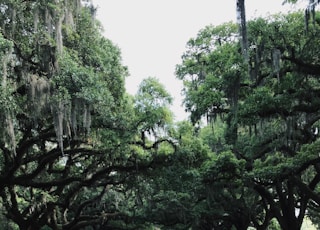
<point>152,34</point>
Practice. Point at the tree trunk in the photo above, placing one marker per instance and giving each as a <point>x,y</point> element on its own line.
<point>289,224</point>
<point>287,201</point>
<point>242,23</point>
<point>232,123</point>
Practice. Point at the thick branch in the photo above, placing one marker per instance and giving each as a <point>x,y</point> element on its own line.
<point>304,67</point>
<point>155,144</point>
<point>307,190</point>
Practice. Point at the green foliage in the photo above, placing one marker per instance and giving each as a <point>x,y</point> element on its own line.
<point>5,45</point>
<point>78,152</point>
<point>152,94</point>
<point>267,117</point>
<point>274,225</point>
<point>277,166</point>
<point>224,167</point>
<point>213,136</point>
<point>67,133</point>
<point>151,104</point>
<point>290,1</point>
<point>208,69</point>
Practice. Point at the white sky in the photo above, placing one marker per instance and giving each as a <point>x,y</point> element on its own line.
<point>152,34</point>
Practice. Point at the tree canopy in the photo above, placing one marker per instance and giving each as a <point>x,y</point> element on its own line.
<point>271,113</point>
<point>69,128</point>
<point>78,152</point>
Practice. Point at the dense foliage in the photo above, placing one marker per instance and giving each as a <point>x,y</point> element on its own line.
<point>77,152</point>
<point>72,138</point>
<point>270,111</point>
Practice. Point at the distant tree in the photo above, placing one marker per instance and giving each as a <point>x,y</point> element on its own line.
<point>152,103</point>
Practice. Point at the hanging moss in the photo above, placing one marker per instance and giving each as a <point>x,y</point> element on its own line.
<point>13,20</point>
<point>35,19</point>
<point>38,95</point>
<point>59,43</point>
<point>10,132</point>
<point>276,57</point>
<point>48,22</point>
<point>7,112</point>
<point>58,113</point>
<point>86,118</point>
<point>40,66</point>
<point>73,118</point>
<point>310,13</point>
